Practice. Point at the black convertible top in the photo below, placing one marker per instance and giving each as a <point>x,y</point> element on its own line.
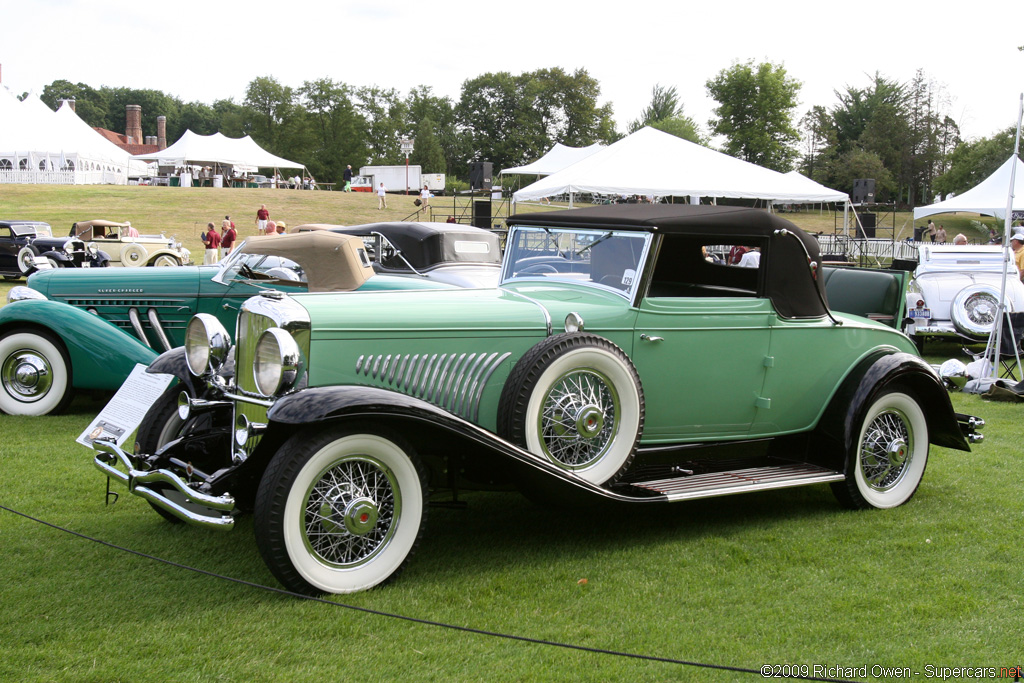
<point>788,277</point>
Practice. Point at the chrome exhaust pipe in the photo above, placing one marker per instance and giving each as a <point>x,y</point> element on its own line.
<point>154,322</point>
<point>133,316</point>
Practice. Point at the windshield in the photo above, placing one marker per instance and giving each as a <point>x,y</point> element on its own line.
<point>37,230</point>
<point>608,258</point>
<point>260,269</point>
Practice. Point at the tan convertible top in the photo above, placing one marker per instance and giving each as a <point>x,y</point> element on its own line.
<point>85,229</point>
<point>332,262</point>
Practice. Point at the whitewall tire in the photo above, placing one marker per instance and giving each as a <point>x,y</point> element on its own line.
<point>35,374</point>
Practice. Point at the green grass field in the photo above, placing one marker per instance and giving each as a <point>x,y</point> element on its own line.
<point>771,578</point>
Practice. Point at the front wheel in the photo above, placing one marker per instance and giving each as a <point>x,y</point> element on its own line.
<point>35,374</point>
<point>341,511</point>
<point>889,456</point>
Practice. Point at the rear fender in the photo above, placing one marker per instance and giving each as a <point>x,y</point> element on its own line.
<point>102,355</point>
<point>879,372</point>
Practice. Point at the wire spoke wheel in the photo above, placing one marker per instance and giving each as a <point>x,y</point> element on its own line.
<point>887,446</point>
<point>579,418</point>
<point>351,511</point>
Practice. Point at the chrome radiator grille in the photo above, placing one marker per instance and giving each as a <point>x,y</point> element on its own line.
<point>249,328</point>
<point>453,381</point>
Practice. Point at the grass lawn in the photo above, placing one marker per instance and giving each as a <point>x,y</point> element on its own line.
<point>784,577</point>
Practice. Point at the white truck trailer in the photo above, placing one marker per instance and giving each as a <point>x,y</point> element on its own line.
<point>397,179</point>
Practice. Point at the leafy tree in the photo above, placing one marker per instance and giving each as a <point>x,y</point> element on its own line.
<point>819,138</point>
<point>858,163</point>
<point>269,105</point>
<point>422,104</point>
<point>665,113</point>
<point>972,162</point>
<point>427,152</point>
<point>336,131</point>
<point>755,113</point>
<point>90,105</point>
<point>385,115</point>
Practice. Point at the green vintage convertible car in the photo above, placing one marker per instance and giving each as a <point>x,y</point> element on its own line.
<point>618,360</point>
<point>86,329</point>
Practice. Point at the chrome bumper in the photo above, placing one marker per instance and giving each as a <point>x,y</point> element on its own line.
<point>212,512</point>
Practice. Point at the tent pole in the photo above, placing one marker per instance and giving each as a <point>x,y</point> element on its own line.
<point>1001,307</point>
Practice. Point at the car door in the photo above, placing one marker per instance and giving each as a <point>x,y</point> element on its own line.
<point>8,251</point>
<point>702,364</point>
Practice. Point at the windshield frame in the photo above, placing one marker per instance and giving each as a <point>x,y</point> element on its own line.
<point>597,235</point>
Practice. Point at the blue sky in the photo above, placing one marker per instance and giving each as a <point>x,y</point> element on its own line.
<point>211,50</point>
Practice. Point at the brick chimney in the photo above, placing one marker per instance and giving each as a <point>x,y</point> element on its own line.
<point>70,101</point>
<point>133,125</point>
<point>161,132</point>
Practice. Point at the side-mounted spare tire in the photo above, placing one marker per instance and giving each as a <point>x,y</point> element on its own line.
<point>575,399</point>
<point>25,256</point>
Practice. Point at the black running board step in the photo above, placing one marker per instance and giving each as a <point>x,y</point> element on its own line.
<point>740,481</point>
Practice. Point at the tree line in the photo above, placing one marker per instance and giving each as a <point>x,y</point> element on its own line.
<point>898,133</point>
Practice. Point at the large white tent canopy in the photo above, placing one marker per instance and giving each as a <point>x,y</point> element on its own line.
<point>651,162</point>
<point>219,149</point>
<point>558,157</point>
<point>988,197</point>
<point>38,145</point>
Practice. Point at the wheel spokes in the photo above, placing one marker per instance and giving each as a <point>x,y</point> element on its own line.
<point>886,451</point>
<point>578,418</point>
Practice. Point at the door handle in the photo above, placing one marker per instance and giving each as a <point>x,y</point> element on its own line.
<point>647,337</point>
<point>229,307</point>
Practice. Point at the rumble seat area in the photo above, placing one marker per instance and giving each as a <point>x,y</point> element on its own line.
<point>873,294</point>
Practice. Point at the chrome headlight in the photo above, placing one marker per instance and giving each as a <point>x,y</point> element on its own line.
<point>92,249</point>
<point>69,247</point>
<point>21,293</point>
<point>277,364</point>
<point>206,344</point>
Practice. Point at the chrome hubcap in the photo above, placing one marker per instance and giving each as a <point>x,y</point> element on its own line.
<point>352,511</point>
<point>26,375</point>
<point>578,419</point>
<point>887,450</point>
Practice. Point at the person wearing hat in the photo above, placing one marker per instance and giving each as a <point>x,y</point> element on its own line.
<point>1017,244</point>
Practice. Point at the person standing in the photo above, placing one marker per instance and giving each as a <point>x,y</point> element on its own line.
<point>262,216</point>
<point>382,197</point>
<point>347,177</point>
<point>424,198</point>
<point>1017,244</point>
<point>129,231</point>
<point>931,230</point>
<point>228,235</point>
<point>940,235</point>
<point>212,241</point>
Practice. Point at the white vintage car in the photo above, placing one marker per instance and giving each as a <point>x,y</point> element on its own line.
<point>955,291</point>
<point>125,249</point>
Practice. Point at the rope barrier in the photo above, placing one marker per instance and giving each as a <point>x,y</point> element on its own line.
<point>417,620</point>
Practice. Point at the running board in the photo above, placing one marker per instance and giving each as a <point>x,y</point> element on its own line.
<point>740,481</point>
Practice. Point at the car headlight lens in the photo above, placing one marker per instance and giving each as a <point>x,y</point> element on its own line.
<point>69,248</point>
<point>206,344</point>
<point>92,249</point>
<point>277,364</point>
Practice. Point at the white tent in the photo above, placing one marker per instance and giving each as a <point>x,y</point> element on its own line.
<point>38,145</point>
<point>217,149</point>
<point>987,197</point>
<point>651,162</point>
<point>558,157</point>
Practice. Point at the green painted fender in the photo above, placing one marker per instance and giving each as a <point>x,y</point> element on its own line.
<point>102,355</point>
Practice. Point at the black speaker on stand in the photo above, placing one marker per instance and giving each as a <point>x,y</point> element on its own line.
<point>480,175</point>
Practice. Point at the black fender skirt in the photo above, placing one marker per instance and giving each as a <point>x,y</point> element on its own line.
<point>881,371</point>
<point>320,404</point>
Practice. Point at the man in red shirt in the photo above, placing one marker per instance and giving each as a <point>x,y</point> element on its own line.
<point>228,235</point>
<point>212,241</point>
<point>262,216</point>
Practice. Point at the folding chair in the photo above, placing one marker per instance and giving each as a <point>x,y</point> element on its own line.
<point>1010,345</point>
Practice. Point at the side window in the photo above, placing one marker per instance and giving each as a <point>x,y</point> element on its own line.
<point>690,266</point>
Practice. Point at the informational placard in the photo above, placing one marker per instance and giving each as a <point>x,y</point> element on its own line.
<point>124,413</point>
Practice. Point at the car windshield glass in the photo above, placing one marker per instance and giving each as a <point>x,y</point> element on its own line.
<point>607,258</point>
<point>260,268</point>
<point>37,230</point>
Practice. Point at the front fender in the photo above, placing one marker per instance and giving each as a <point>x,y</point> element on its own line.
<point>880,371</point>
<point>102,355</point>
<point>339,403</point>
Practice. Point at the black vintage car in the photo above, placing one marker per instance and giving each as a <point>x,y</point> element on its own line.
<point>21,242</point>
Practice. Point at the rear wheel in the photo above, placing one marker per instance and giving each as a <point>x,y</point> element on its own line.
<point>35,373</point>
<point>340,511</point>
<point>889,456</point>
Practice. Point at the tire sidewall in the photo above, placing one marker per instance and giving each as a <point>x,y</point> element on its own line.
<point>59,392</point>
<point>314,458</point>
<point>628,419</point>
<point>24,253</point>
<point>911,478</point>
<point>135,250</point>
